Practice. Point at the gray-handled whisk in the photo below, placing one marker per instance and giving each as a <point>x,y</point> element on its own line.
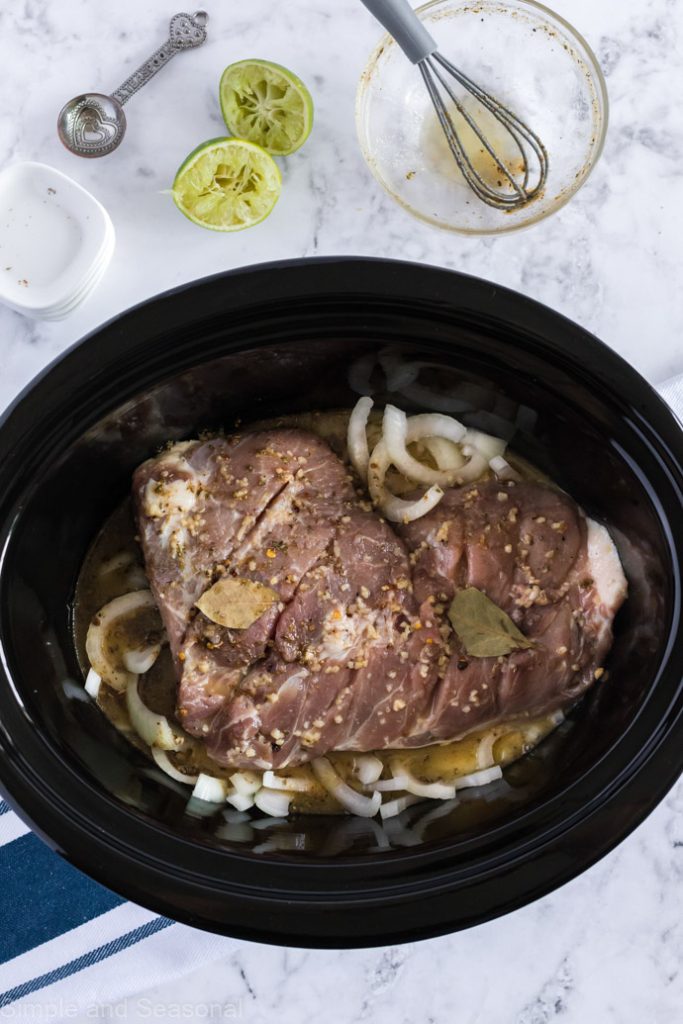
<point>512,183</point>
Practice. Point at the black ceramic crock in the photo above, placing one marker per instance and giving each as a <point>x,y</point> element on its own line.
<point>280,338</point>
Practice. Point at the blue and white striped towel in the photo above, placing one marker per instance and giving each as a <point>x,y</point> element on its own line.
<point>68,945</point>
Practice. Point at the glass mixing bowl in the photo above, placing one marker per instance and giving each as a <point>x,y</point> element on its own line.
<point>530,59</point>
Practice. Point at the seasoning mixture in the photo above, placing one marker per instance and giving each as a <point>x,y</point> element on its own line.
<point>318,626</point>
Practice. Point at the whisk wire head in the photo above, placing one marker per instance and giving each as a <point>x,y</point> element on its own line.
<point>483,186</point>
<point>513,191</point>
<point>508,117</point>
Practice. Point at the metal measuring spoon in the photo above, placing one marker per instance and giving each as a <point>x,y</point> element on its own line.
<point>94,124</point>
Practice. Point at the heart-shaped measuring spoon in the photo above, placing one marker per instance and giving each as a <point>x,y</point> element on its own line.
<point>94,124</point>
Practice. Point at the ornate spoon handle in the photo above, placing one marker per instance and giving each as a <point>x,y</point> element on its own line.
<point>185,31</point>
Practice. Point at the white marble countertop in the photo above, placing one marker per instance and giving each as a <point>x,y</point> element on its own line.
<point>607,947</point>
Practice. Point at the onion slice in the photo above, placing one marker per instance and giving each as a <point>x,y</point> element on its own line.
<point>389,786</point>
<point>247,782</point>
<point>357,438</point>
<point>287,783</point>
<point>356,803</point>
<point>154,729</point>
<point>273,802</point>
<point>435,424</point>
<point>484,752</point>
<point>502,468</point>
<point>487,444</point>
<point>164,762</point>
<point>97,646</point>
<point>210,789</point>
<point>411,784</point>
<point>367,768</point>
<point>398,432</point>
<point>447,454</point>
<point>142,660</point>
<point>92,683</point>
<point>481,778</point>
<point>397,510</point>
<point>392,808</point>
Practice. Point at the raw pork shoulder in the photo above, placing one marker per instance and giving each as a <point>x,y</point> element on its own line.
<point>357,652</point>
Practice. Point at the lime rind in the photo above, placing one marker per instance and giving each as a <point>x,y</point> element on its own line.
<point>227,185</point>
<point>267,104</point>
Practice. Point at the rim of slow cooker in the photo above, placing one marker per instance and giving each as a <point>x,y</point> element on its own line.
<point>429,853</point>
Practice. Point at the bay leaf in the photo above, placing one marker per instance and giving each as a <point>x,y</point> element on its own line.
<point>236,602</point>
<point>483,628</point>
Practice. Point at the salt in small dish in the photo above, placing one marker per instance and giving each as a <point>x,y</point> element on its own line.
<point>56,240</point>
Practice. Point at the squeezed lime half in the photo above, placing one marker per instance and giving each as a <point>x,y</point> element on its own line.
<point>266,104</point>
<point>227,185</point>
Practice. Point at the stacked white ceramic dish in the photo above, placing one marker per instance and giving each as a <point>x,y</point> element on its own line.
<point>56,241</point>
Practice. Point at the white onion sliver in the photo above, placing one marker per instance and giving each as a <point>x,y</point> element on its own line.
<point>93,683</point>
<point>444,428</point>
<point>502,468</point>
<point>96,643</point>
<point>141,661</point>
<point>356,803</point>
<point>481,778</point>
<point>485,747</point>
<point>209,789</point>
<point>368,768</point>
<point>434,424</point>
<point>247,782</point>
<point>286,783</point>
<point>240,801</point>
<point>357,438</point>
<point>475,466</point>
<point>392,808</point>
<point>164,762</point>
<point>398,432</point>
<point>447,454</point>
<point>397,510</point>
<point>273,802</point>
<point>429,790</point>
<point>389,786</point>
<point>487,444</point>
<point>154,729</point>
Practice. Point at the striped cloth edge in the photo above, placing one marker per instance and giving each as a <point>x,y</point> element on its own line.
<point>68,944</point>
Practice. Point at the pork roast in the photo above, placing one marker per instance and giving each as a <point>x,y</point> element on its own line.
<point>356,652</point>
